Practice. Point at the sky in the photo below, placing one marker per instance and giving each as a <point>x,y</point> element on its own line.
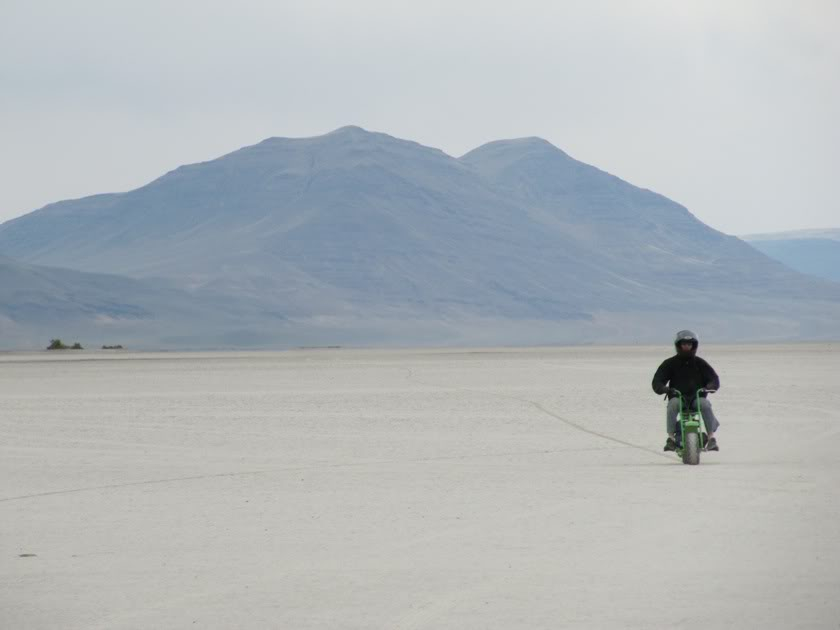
<point>729,108</point>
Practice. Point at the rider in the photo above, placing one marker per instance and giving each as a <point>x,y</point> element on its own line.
<point>686,372</point>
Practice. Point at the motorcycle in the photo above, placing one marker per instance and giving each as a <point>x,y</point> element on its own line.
<point>691,436</point>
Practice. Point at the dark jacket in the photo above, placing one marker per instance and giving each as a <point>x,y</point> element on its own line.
<point>687,373</point>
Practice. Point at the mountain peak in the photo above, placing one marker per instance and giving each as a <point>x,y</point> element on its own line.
<point>494,158</point>
<point>515,149</point>
<point>526,142</point>
<point>343,137</point>
<point>348,130</point>
<point>340,148</point>
<point>352,134</point>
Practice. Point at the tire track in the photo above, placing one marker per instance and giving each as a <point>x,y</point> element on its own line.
<point>309,468</point>
<point>327,466</point>
<point>544,410</point>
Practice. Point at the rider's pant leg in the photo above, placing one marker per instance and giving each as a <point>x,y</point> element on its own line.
<point>709,418</point>
<point>671,413</point>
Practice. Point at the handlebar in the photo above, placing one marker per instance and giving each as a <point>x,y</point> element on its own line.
<point>702,390</point>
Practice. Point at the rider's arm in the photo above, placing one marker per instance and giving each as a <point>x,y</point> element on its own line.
<point>710,377</point>
<point>661,378</point>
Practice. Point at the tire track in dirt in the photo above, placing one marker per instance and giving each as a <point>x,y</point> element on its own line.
<point>327,465</point>
<point>544,410</point>
<point>319,466</point>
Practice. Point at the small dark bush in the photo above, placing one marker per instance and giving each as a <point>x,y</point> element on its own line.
<point>57,344</point>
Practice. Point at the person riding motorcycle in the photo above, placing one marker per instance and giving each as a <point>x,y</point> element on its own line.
<point>686,372</point>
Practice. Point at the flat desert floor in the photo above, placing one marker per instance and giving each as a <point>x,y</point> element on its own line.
<point>442,489</point>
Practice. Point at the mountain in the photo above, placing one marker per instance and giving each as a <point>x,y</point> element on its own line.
<point>641,236</point>
<point>359,237</point>
<point>38,303</point>
<point>331,224</point>
<point>831,234</point>
<point>814,252</point>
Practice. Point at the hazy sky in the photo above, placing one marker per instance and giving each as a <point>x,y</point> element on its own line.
<point>729,107</point>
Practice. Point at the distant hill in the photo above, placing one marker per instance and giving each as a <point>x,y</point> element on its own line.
<point>831,234</point>
<point>814,252</point>
<point>40,303</point>
<point>359,237</point>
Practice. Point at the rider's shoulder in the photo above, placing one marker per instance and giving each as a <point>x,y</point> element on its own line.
<point>703,363</point>
<point>668,362</point>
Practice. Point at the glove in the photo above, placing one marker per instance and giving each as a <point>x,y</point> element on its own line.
<point>672,392</point>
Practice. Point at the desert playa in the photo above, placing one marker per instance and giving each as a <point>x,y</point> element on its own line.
<point>405,489</point>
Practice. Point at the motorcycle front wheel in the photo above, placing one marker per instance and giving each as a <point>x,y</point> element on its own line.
<point>691,449</point>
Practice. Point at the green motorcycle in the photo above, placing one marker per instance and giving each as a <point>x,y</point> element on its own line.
<point>690,436</point>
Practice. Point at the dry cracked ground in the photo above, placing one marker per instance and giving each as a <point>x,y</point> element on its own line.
<point>396,489</point>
